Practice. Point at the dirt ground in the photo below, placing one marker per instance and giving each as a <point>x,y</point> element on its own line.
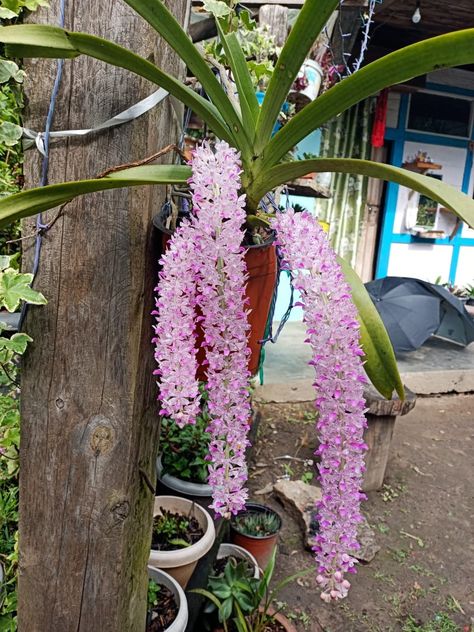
<point>422,579</point>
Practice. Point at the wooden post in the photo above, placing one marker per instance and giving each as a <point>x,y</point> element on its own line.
<point>381,417</point>
<point>89,424</point>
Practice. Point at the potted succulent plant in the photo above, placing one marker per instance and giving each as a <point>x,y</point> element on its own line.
<point>167,605</point>
<point>183,532</point>
<point>245,602</point>
<point>256,530</point>
<point>181,464</point>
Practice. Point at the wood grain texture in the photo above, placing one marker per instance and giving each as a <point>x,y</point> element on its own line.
<point>378,437</point>
<point>276,18</point>
<point>89,417</point>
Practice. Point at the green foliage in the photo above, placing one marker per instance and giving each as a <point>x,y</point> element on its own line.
<point>244,600</point>
<point>14,289</point>
<point>184,450</point>
<point>441,622</point>
<point>10,9</point>
<point>171,529</point>
<point>153,590</point>
<point>235,118</point>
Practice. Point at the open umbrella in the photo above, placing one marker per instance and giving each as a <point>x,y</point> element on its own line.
<point>409,311</point>
<point>411,316</point>
<point>456,324</point>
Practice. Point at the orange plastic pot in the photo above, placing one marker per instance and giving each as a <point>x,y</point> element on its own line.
<point>261,265</point>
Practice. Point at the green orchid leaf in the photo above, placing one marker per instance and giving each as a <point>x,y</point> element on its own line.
<point>448,196</point>
<point>380,362</point>
<point>247,97</point>
<point>163,21</point>
<point>7,14</point>
<point>32,201</point>
<point>309,24</point>
<point>444,51</point>
<point>33,40</point>
<point>15,287</point>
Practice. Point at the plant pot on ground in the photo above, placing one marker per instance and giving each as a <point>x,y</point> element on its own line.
<point>167,603</point>
<point>256,530</point>
<point>183,532</point>
<point>182,466</point>
<point>247,604</point>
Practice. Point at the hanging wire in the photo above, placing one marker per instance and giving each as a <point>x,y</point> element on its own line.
<point>41,227</point>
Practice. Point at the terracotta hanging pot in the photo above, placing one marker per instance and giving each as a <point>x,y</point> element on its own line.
<point>261,265</point>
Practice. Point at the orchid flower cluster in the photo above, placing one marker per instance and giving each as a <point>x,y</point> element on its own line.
<point>204,273</point>
<point>203,281</point>
<point>333,334</point>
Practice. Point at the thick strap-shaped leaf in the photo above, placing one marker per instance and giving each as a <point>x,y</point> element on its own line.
<point>444,51</point>
<point>164,22</point>
<point>309,24</point>
<point>247,97</point>
<point>41,199</point>
<point>448,196</point>
<point>33,40</point>
<point>380,363</point>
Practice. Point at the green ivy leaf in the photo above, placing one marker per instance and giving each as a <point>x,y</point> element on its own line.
<point>15,287</point>
<point>218,8</point>
<point>10,133</point>
<point>7,14</point>
<point>17,343</point>
<point>8,69</point>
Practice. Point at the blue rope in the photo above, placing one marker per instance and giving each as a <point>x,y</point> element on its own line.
<point>41,227</point>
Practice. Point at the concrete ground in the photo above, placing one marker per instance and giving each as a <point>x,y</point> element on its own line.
<point>437,367</point>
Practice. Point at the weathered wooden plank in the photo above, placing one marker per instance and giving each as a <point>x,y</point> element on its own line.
<point>88,396</point>
<point>276,18</point>
<point>378,437</point>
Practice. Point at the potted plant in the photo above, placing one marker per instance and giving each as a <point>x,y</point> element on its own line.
<point>248,603</point>
<point>229,551</point>
<point>256,530</point>
<point>183,532</point>
<point>182,465</point>
<point>167,604</point>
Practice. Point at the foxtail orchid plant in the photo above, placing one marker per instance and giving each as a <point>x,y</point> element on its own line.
<point>204,268</point>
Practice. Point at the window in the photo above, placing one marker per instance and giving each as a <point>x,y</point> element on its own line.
<point>427,208</point>
<point>439,115</point>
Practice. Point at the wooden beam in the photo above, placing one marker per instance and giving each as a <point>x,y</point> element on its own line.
<point>89,418</point>
<point>292,4</point>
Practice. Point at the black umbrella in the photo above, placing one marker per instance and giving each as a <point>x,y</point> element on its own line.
<point>409,311</point>
<point>456,324</point>
<point>411,316</point>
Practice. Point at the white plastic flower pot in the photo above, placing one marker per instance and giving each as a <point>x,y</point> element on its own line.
<point>187,488</point>
<point>228,550</point>
<point>314,74</point>
<point>181,563</point>
<point>160,577</point>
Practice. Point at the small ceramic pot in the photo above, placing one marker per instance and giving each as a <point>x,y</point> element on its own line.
<point>261,547</point>
<point>160,577</point>
<point>181,563</point>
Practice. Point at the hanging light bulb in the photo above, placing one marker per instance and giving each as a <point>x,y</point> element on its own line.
<point>416,17</point>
